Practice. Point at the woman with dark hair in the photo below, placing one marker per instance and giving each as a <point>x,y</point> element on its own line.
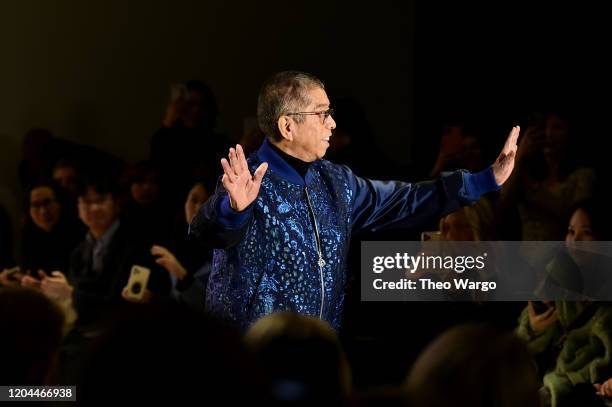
<point>572,340</point>
<point>49,233</point>
<point>575,273</point>
<point>187,262</point>
<point>142,209</point>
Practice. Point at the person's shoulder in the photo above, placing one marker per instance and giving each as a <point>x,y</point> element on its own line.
<point>332,168</point>
<point>338,175</point>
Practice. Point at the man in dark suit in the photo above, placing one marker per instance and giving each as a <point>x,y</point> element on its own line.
<point>100,265</point>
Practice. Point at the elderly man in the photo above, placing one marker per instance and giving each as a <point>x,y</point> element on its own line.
<point>282,234</point>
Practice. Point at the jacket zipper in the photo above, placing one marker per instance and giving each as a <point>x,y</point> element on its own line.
<point>321,261</point>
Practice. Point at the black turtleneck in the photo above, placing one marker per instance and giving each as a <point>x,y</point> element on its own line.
<point>300,166</point>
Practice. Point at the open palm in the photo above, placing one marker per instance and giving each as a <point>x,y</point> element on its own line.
<point>503,166</point>
<point>237,180</point>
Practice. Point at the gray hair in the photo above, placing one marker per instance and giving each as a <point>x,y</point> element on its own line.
<point>285,92</point>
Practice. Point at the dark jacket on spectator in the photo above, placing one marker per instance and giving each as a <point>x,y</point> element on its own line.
<point>50,251</point>
<point>97,292</point>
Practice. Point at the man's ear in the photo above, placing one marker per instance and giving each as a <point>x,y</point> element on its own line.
<point>285,127</point>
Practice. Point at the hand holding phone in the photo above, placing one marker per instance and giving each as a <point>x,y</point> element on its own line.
<point>540,321</point>
<point>541,307</point>
<point>137,283</point>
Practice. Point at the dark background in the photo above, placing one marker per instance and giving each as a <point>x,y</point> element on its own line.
<point>98,72</point>
<point>494,65</point>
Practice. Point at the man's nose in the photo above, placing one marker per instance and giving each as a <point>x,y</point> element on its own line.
<point>331,123</point>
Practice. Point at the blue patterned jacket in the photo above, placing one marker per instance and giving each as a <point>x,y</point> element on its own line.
<point>287,251</point>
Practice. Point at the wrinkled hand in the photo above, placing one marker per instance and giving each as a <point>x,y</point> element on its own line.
<point>503,166</point>
<point>56,286</point>
<point>237,180</point>
<point>539,322</point>
<point>146,296</point>
<point>604,389</point>
<point>168,261</point>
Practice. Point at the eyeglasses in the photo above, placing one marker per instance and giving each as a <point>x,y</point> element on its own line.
<point>44,203</point>
<point>323,115</point>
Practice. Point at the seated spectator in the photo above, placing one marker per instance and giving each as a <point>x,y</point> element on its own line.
<point>574,272</point>
<point>31,337</point>
<point>474,365</point>
<point>188,264</point>
<point>141,206</point>
<point>302,358</point>
<point>572,341</point>
<point>49,233</point>
<point>468,223</point>
<point>100,265</point>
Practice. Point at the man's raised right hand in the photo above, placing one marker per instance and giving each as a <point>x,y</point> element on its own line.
<point>237,180</point>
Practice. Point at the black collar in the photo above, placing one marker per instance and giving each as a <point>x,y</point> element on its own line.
<point>301,167</point>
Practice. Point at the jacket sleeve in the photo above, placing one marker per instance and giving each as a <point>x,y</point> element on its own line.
<point>536,343</point>
<point>217,225</point>
<point>380,205</point>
